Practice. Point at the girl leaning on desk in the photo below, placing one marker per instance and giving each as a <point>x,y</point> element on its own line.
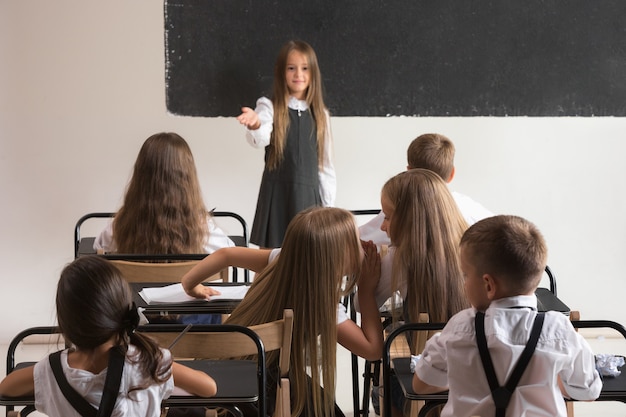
<point>321,247</point>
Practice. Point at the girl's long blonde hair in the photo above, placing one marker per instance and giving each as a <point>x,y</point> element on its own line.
<point>280,100</point>
<point>320,246</point>
<point>163,210</point>
<point>426,228</point>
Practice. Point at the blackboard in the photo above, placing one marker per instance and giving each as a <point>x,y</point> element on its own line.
<point>404,57</point>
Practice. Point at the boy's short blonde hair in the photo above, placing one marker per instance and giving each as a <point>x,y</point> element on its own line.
<point>509,248</point>
<point>434,152</point>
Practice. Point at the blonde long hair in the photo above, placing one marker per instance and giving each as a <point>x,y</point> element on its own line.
<point>163,210</point>
<point>314,99</point>
<point>320,245</point>
<point>426,228</point>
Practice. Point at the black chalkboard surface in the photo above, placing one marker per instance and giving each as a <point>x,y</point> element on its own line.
<point>404,57</point>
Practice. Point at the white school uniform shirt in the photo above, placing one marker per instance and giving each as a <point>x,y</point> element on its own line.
<point>471,210</point>
<point>451,359</point>
<point>217,238</point>
<point>342,314</point>
<point>260,138</point>
<point>142,402</point>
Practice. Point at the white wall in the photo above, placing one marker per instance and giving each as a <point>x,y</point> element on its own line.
<point>82,86</point>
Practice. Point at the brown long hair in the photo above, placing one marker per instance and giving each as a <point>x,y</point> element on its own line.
<point>94,303</point>
<point>320,245</point>
<point>426,229</point>
<point>280,100</point>
<point>163,210</point>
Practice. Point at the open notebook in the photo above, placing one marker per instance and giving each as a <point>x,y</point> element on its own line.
<point>175,293</point>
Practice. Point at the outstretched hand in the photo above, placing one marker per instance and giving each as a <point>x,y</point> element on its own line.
<point>370,268</point>
<point>249,118</point>
<point>203,292</point>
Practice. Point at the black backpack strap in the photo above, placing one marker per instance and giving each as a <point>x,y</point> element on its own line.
<point>112,382</point>
<point>111,385</point>
<point>502,394</point>
<point>74,398</point>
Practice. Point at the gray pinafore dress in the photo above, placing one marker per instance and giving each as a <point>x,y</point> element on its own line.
<point>290,188</point>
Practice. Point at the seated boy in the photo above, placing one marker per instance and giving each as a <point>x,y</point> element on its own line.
<point>502,258</point>
<point>434,152</point>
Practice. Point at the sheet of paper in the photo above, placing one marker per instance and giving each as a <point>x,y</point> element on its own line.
<point>175,293</point>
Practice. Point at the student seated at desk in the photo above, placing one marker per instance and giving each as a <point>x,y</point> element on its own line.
<point>422,267</point>
<point>434,152</point>
<point>503,258</point>
<point>98,318</point>
<point>320,248</point>
<point>163,211</point>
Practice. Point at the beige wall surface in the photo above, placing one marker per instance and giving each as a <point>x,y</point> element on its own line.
<point>82,86</point>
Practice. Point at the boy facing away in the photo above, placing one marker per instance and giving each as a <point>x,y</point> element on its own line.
<point>502,259</point>
<point>434,152</point>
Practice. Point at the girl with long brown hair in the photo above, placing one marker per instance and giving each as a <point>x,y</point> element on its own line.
<point>307,275</point>
<point>163,210</point>
<point>98,318</point>
<point>294,129</point>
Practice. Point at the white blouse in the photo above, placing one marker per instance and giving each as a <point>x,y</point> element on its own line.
<point>217,238</point>
<point>260,138</point>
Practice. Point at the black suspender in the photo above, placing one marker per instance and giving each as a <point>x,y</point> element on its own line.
<point>111,385</point>
<point>502,394</point>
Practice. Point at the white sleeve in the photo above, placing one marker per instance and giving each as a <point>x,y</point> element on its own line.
<point>104,241</point>
<point>217,238</point>
<point>273,255</point>
<point>342,314</point>
<point>260,137</point>
<point>327,175</point>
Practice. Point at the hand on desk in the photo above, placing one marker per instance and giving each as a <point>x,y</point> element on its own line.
<point>202,292</point>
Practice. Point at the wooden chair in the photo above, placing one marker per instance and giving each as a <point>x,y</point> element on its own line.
<point>228,341</point>
<point>134,271</point>
<point>239,381</point>
<point>399,348</point>
<point>84,245</point>
<point>421,332</point>
<point>43,335</point>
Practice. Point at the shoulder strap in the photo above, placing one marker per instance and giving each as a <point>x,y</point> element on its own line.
<point>502,394</point>
<point>111,385</point>
<point>112,382</point>
<point>74,398</point>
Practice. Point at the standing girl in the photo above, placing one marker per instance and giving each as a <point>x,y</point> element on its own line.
<point>98,318</point>
<point>294,128</point>
<point>321,247</point>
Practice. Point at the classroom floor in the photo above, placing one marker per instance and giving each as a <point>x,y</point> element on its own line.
<point>599,343</point>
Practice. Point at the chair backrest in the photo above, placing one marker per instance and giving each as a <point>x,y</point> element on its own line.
<point>44,335</point>
<point>212,342</point>
<point>421,332</point>
<point>240,240</point>
<point>85,246</point>
<point>552,279</point>
<point>195,343</point>
<point>160,272</point>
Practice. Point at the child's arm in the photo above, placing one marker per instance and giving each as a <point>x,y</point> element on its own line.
<point>193,381</point>
<point>248,258</point>
<point>249,118</point>
<point>367,340</point>
<point>18,383</point>
<point>420,387</point>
